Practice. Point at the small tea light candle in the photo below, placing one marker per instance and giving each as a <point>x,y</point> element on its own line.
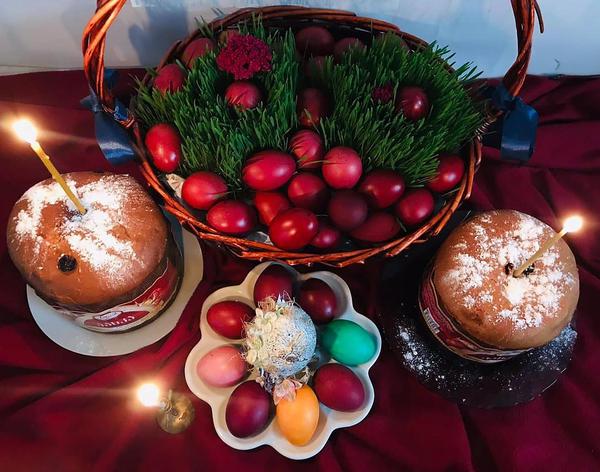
<point>175,411</point>
<point>571,224</point>
<point>25,130</point>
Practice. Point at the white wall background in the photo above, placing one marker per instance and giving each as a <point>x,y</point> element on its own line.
<point>46,34</point>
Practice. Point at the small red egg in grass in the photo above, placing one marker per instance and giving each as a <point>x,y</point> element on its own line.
<point>169,79</point>
<point>225,35</point>
<point>233,217</point>
<point>342,167</point>
<point>413,103</point>
<point>197,48</point>
<point>377,228</point>
<point>164,146</point>
<point>328,237</point>
<point>275,281</point>
<point>450,171</point>
<point>382,188</point>
<point>313,67</point>
<point>243,95</point>
<point>203,189</point>
<point>312,105</point>
<point>268,170</point>
<point>293,229</point>
<point>314,41</point>
<point>269,205</point>
<point>307,146</point>
<point>344,44</point>
<point>318,300</point>
<point>308,191</point>
<point>347,209</point>
<point>415,207</point>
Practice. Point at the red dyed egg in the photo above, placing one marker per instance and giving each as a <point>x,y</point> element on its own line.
<point>307,147</point>
<point>170,78</point>
<point>248,410</point>
<point>227,318</point>
<point>382,188</point>
<point>342,167</point>
<point>203,189</point>
<point>340,48</point>
<point>314,41</point>
<point>243,95</point>
<point>415,206</point>
<point>275,281</point>
<point>308,191</point>
<point>339,388</point>
<point>378,227</point>
<point>197,48</point>
<point>269,205</point>
<point>312,105</point>
<point>231,217</point>
<point>293,229</point>
<point>328,236</point>
<point>413,103</point>
<point>318,300</point>
<point>449,173</point>
<point>268,170</point>
<point>164,145</point>
<point>347,209</point>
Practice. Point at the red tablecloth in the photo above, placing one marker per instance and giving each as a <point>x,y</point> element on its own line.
<point>62,411</point>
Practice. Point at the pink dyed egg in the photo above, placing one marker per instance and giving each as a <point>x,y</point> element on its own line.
<point>223,366</point>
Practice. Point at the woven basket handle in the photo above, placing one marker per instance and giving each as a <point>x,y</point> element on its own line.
<point>94,42</point>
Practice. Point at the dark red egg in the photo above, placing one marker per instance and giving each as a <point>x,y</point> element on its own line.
<point>449,173</point>
<point>164,145</point>
<point>203,189</point>
<point>318,300</point>
<point>313,66</point>
<point>268,170</point>
<point>378,227</point>
<point>415,206</point>
<point>248,410</point>
<point>339,388</point>
<point>275,281</point>
<point>170,78</point>
<point>269,205</point>
<point>342,167</point>
<point>328,237</point>
<point>307,146</point>
<point>197,48</point>
<point>382,188</point>
<point>232,217</point>
<point>314,41</point>
<point>243,95</point>
<point>413,103</point>
<point>308,191</point>
<point>312,105</point>
<point>347,209</point>
<point>293,229</point>
<point>227,318</point>
<point>340,48</point>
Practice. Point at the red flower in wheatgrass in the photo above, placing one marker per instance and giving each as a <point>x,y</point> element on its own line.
<point>383,94</point>
<point>244,56</point>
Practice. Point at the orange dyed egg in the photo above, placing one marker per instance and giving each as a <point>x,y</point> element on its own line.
<point>298,418</point>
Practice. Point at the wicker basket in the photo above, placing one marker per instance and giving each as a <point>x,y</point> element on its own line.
<point>94,39</point>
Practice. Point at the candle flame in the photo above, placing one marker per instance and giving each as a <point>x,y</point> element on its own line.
<point>148,394</point>
<point>573,223</point>
<point>25,131</point>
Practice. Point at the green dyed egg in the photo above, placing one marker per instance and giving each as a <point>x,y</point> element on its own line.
<point>348,343</point>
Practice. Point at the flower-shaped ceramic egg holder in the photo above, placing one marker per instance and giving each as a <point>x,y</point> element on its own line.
<point>217,398</point>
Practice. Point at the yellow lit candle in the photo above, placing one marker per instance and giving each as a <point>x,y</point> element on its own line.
<point>571,224</point>
<point>175,411</point>
<point>27,132</point>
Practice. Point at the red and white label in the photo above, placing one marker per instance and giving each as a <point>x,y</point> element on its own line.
<point>449,332</point>
<point>132,313</point>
